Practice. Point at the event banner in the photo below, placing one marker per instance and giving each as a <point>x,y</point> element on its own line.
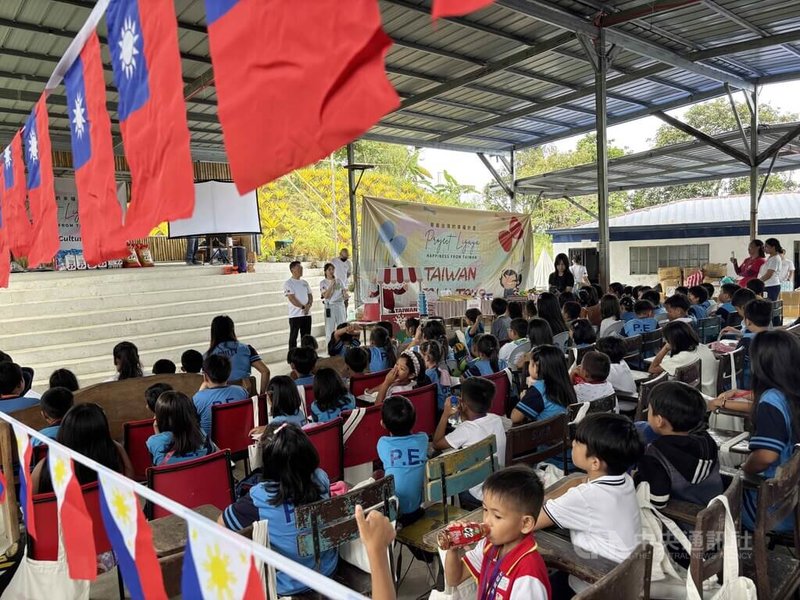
<point>456,250</point>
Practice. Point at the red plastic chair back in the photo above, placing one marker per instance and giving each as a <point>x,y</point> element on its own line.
<point>502,391</point>
<point>204,480</point>
<point>45,511</point>
<point>231,424</point>
<point>308,390</point>
<point>134,440</point>
<point>360,383</point>
<point>327,439</point>
<point>424,401</point>
<point>362,445</point>
<point>263,410</point>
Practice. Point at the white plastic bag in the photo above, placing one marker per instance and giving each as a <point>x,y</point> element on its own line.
<point>37,579</point>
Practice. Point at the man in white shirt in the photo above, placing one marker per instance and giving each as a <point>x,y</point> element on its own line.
<point>298,294</point>
<point>342,267</point>
<point>579,273</point>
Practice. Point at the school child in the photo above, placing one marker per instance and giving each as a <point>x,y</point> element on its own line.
<point>152,393</point>
<point>303,362</point>
<point>407,374</point>
<point>501,319</point>
<point>757,286</point>
<point>344,337</point>
<point>677,307</point>
<point>626,306</point>
<point>381,351</point>
<point>616,289</point>
<point>178,436</point>
<point>474,327</point>
<point>244,358</point>
<point>126,362</point>
<point>357,360</point>
<point>739,300</point>
<point>215,389</point>
<point>571,310</point>
<point>432,354</point>
<point>591,377</point>
<point>549,391</point>
<point>698,296</point>
<point>54,404</point>
<point>518,336</point>
<point>530,310</point>
<point>725,306</point>
<point>331,397</point>
<point>610,312</point>
<point>712,306</point>
<point>644,321</point>
<point>539,332</point>
<point>477,423</point>
<point>12,386</point>
<point>164,366</point>
<point>682,348</point>
<point>757,319</point>
<point>514,310</point>
<point>600,511</point>
<point>309,341</point>
<point>507,560</point>
<point>486,363</point>
<point>582,333</point>
<point>654,298</point>
<point>619,375</point>
<point>550,310</point>
<point>284,401</point>
<point>64,378</point>
<point>191,362</point>
<point>403,455</point>
<point>407,334</point>
<point>291,477</point>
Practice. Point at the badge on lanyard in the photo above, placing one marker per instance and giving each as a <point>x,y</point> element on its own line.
<point>503,585</point>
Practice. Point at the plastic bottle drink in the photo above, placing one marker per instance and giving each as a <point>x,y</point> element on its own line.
<point>456,535</point>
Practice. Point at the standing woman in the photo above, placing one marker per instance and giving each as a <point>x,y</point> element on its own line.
<point>749,268</point>
<point>334,296</point>
<point>242,356</point>
<point>787,272</point>
<point>561,278</point>
<point>770,270</point>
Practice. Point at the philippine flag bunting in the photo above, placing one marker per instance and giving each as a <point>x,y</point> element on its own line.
<point>25,454</point>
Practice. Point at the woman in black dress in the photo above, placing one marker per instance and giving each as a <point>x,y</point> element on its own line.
<point>561,278</point>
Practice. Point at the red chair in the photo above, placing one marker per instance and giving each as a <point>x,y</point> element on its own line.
<point>502,393</point>
<point>327,439</point>
<point>204,480</point>
<point>231,425</point>
<point>308,390</point>
<point>360,383</point>
<point>40,453</point>
<point>424,401</point>
<point>134,440</point>
<point>362,445</point>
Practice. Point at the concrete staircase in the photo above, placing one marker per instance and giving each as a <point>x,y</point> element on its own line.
<point>74,319</point>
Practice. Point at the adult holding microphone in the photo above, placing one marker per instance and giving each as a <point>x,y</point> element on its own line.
<point>752,264</point>
<point>334,296</point>
<point>770,270</point>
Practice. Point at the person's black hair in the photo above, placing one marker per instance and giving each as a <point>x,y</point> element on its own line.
<point>126,359</point>
<point>517,487</point>
<point>652,296</point>
<point>10,378</point>
<point>680,404</point>
<point>730,289</point>
<point>593,296</point>
<point>387,325</point>
<point>699,292</point>
<point>583,332</point>
<point>642,306</point>
<point>64,378</point>
<point>379,338</point>
<point>682,289</point>
<point>677,301</point>
<point>577,259</point>
<point>283,395</point>
<point>417,376</point>
<point>412,323</point>
<point>530,309</point>
<point>635,291</point>
<point>775,244</point>
<point>357,358</point>
<point>55,402</point>
<point>217,368</point>
<point>5,357</point>
<point>152,393</point>
<point>757,286</point>
<point>550,310</point>
<point>489,347</point>
<point>759,312</point>
<point>434,330</point>
<point>304,360</point>
<point>551,368</point>
<point>616,288</point>
<point>709,290</point>
<point>329,389</point>
<point>596,365</point>
<point>290,460</point>
<point>760,245</point>
<point>222,330</point>
<point>563,259</point>
<point>611,438</point>
<point>192,361</point>
<point>164,366</point>
<point>681,337</point>
<point>398,415</point>
<point>571,311</point>
<point>565,297</point>
<point>774,356</point>
<point>433,349</point>
<point>344,338</point>
<point>472,314</point>
<point>539,332</point>
<point>519,326</point>
<point>515,310</point>
<point>294,263</point>
<point>176,413</point>
<point>627,291</point>
<point>309,341</point>
<point>609,307</point>
<point>583,296</point>
<point>626,303</point>
<point>477,393</point>
<point>499,306</point>
<point>613,347</point>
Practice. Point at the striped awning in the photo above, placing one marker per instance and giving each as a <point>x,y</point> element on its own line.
<point>400,275</point>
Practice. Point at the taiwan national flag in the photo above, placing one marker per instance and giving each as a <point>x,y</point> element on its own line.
<point>131,538</point>
<point>214,568</point>
<point>41,188</point>
<point>17,224</point>
<point>73,517</point>
<point>25,454</point>
<point>5,259</point>
<point>99,211</point>
<point>457,8</point>
<point>295,80</point>
<point>152,113</point>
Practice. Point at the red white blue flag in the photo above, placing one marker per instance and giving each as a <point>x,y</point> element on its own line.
<point>5,258</point>
<point>25,454</point>
<point>457,8</point>
<point>152,113</point>
<point>16,215</point>
<point>295,80</point>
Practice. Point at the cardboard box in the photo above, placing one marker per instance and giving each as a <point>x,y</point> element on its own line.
<point>669,273</point>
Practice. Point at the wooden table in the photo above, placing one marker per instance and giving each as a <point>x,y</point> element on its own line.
<point>169,533</point>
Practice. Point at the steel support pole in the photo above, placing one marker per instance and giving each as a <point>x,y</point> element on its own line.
<point>754,196</point>
<point>512,196</point>
<point>603,240</point>
<point>351,188</point>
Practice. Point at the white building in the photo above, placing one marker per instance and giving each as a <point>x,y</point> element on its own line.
<point>686,233</point>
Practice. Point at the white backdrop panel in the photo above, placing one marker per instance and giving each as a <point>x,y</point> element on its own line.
<point>219,209</point>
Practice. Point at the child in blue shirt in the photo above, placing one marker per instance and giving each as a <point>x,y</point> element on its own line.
<point>12,386</point>
<point>382,355</point>
<point>698,296</point>
<point>215,389</point>
<point>344,337</point>
<point>152,393</point>
<point>243,358</point>
<point>654,298</point>
<point>486,363</point>
<point>178,435</point>
<point>644,321</point>
<point>550,390</point>
<point>725,306</point>
<point>303,362</point>
<point>291,477</point>
<point>403,455</point>
<point>474,327</point>
<point>431,352</point>
<point>284,401</point>
<point>54,403</point>
<point>331,397</point>
<point>757,318</point>
<point>626,304</point>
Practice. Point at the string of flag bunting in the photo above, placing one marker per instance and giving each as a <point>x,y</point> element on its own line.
<point>218,563</point>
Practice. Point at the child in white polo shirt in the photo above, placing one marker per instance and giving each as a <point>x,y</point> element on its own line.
<point>600,510</point>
